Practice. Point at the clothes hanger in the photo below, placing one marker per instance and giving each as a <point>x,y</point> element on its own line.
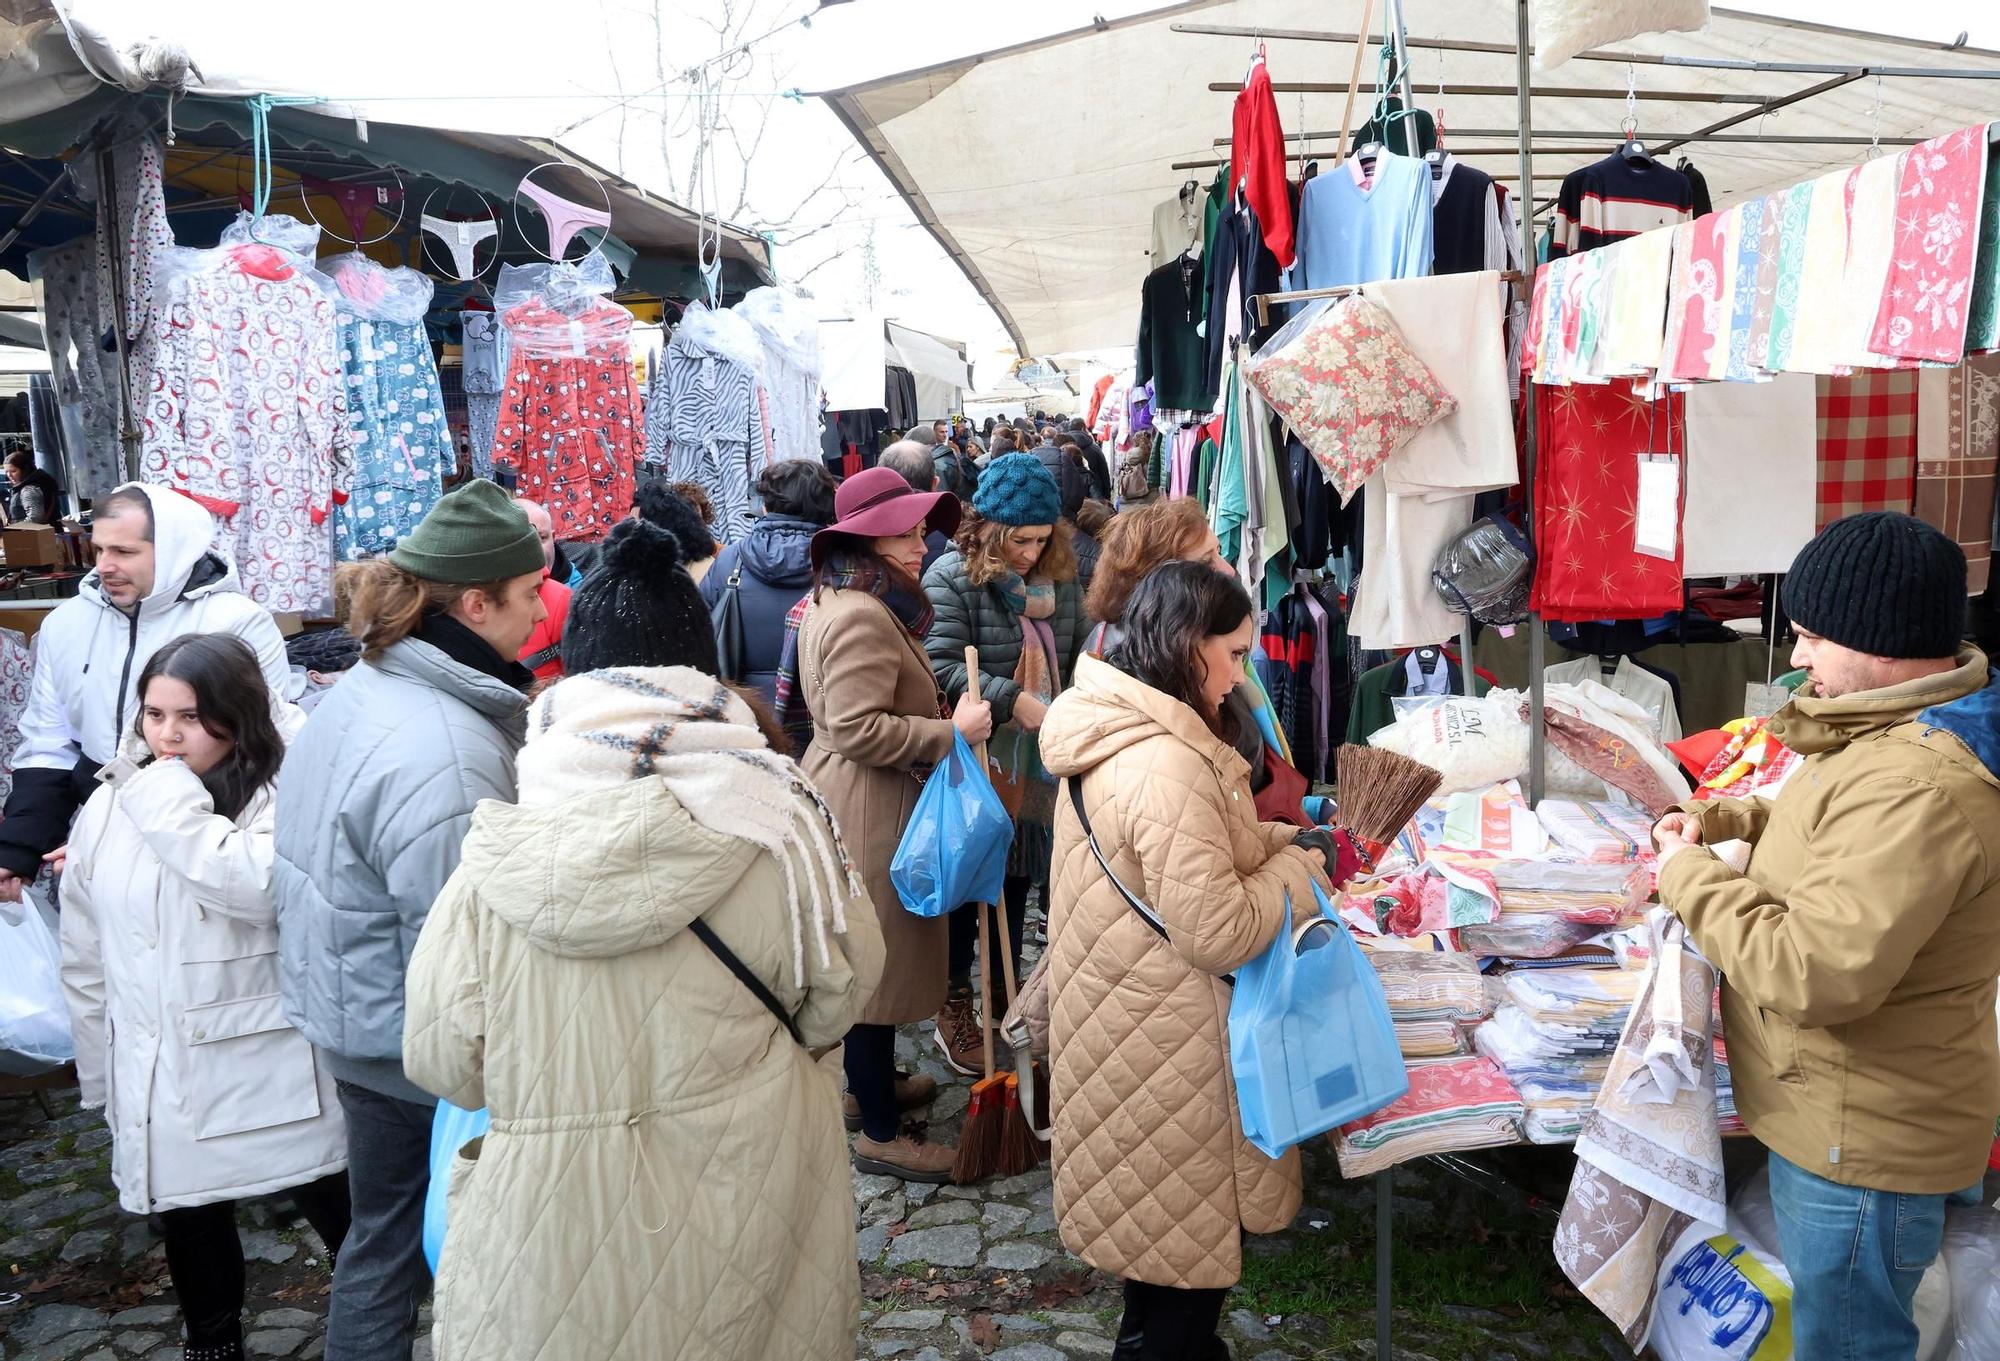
<point>1435,156</point>
<point>1427,660</point>
<point>1633,149</point>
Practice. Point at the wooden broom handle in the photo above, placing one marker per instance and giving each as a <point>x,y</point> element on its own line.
<point>985,935</point>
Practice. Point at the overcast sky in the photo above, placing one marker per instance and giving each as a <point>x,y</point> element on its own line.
<point>604,75</point>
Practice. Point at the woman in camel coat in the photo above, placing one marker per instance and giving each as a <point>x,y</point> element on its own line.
<point>1154,1180</point>
<point>879,725</point>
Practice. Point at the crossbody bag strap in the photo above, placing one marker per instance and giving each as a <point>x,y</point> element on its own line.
<point>1137,904</point>
<point>750,980</point>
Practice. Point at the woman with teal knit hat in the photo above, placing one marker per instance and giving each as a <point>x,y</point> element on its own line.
<point>1009,588</point>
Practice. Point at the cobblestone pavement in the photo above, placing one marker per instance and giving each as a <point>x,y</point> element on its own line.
<point>948,1273</point>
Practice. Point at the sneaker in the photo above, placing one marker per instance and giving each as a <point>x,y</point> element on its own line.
<point>914,1091</point>
<point>907,1156</point>
<point>957,1035</point>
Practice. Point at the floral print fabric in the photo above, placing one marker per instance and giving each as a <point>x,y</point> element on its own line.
<point>396,426</point>
<point>1351,390</point>
<point>242,408</point>
<point>566,418</point>
<point>1927,300</point>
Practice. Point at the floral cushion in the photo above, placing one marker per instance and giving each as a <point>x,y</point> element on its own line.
<point>1351,390</point>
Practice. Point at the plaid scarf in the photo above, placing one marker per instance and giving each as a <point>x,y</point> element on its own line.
<point>845,572</point>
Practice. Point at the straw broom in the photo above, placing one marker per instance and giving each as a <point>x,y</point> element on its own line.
<point>1380,791</point>
<point>979,1140</point>
<point>1020,1150</point>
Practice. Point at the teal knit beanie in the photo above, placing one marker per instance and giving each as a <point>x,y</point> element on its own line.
<point>474,534</point>
<point>1016,489</point>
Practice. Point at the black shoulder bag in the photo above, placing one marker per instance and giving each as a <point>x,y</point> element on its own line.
<point>726,614</point>
<point>1137,904</point>
<point>750,980</point>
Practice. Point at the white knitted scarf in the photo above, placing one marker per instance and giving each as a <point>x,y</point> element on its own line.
<point>692,733</point>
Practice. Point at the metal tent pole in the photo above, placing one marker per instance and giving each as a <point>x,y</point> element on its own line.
<point>107,223</point>
<point>1409,118</point>
<point>1537,640</point>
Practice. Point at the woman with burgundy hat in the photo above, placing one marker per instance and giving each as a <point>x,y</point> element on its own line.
<point>854,655</point>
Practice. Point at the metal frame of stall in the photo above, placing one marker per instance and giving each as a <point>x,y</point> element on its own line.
<point>1524,91</point>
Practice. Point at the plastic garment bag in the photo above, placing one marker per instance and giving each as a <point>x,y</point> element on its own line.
<point>954,850</point>
<point>1311,1042</point>
<point>451,1130</point>
<point>1486,572</point>
<point>34,1018</point>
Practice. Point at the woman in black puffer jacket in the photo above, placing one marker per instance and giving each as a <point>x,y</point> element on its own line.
<point>772,568</point>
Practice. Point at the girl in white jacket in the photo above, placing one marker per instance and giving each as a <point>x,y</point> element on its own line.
<point>171,969</point>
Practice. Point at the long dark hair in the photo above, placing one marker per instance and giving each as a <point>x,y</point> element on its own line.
<point>231,701</point>
<point>1173,609</point>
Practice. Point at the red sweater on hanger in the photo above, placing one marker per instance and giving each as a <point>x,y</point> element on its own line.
<point>1257,156</point>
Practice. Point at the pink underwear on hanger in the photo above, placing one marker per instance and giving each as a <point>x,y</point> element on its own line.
<point>564,217</point>
<point>355,201</point>
<point>461,239</point>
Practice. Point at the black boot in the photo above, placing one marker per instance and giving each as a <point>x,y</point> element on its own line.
<point>221,1344</point>
<point>1131,1342</point>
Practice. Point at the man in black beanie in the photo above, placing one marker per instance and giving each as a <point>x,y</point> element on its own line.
<point>1861,944</point>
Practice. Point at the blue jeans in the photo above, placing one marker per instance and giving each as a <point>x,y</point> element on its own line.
<point>1856,1258</point>
<point>381,1278</point>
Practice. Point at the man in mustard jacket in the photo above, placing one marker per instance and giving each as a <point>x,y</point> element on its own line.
<point>1861,946</point>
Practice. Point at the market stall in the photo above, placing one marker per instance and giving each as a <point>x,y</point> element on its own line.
<point>1405,432</point>
<point>883,378</point>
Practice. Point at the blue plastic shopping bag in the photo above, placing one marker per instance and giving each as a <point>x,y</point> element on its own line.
<point>955,849</point>
<point>451,1130</point>
<point>1311,1043</point>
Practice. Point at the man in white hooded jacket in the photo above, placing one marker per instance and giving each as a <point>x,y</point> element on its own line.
<point>156,579</point>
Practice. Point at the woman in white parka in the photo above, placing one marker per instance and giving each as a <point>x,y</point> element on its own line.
<point>170,965</point>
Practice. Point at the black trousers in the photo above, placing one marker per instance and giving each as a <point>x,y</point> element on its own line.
<point>205,1256</point>
<point>962,927</point>
<point>1165,1323</point>
<point>869,1056</point>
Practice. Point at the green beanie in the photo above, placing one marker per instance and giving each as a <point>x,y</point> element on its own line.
<point>475,533</point>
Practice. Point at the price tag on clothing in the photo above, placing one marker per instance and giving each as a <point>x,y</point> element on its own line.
<point>366,333</point>
<point>1761,701</point>
<point>1656,524</point>
<point>576,340</point>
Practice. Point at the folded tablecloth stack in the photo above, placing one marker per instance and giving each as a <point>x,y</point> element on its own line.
<point>1553,1036</point>
<point>1596,833</point>
<point>1537,922</point>
<point>1434,999</point>
<point>1452,1105</point>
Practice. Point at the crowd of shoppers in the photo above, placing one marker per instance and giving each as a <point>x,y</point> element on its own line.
<point>530,851</point>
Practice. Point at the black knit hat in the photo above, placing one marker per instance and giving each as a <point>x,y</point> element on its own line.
<point>638,607</point>
<point>1881,583</point>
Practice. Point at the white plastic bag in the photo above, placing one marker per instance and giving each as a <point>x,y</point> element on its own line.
<point>1474,743</point>
<point>34,1019</point>
<point>1972,1257</point>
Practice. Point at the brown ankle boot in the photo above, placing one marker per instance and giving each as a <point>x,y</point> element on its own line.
<point>905,1156</point>
<point>914,1091</point>
<point>957,1034</point>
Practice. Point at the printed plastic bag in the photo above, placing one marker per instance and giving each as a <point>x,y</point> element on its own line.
<point>34,1018</point>
<point>451,1130</point>
<point>1474,743</point>
<point>1311,1042</point>
<point>955,849</point>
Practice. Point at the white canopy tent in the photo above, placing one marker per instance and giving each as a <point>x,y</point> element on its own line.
<point>1066,276</point>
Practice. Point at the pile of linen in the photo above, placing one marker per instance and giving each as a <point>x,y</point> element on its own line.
<point>1452,1105</point>
<point>1553,1034</point>
<point>1435,999</point>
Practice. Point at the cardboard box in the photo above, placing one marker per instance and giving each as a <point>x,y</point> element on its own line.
<point>29,546</point>
<point>25,616</point>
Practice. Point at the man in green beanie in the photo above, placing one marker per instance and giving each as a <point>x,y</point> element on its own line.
<point>373,804</point>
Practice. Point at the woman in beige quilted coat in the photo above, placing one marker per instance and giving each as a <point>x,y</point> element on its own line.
<point>665,1176</point>
<point>1154,1180</point>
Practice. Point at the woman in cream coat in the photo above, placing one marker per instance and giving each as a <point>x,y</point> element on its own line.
<point>170,966</point>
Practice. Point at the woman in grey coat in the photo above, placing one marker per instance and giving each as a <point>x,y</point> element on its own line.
<point>373,803</point>
<point>1009,589</point>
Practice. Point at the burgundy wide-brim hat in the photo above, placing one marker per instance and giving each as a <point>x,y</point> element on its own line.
<point>876,503</point>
